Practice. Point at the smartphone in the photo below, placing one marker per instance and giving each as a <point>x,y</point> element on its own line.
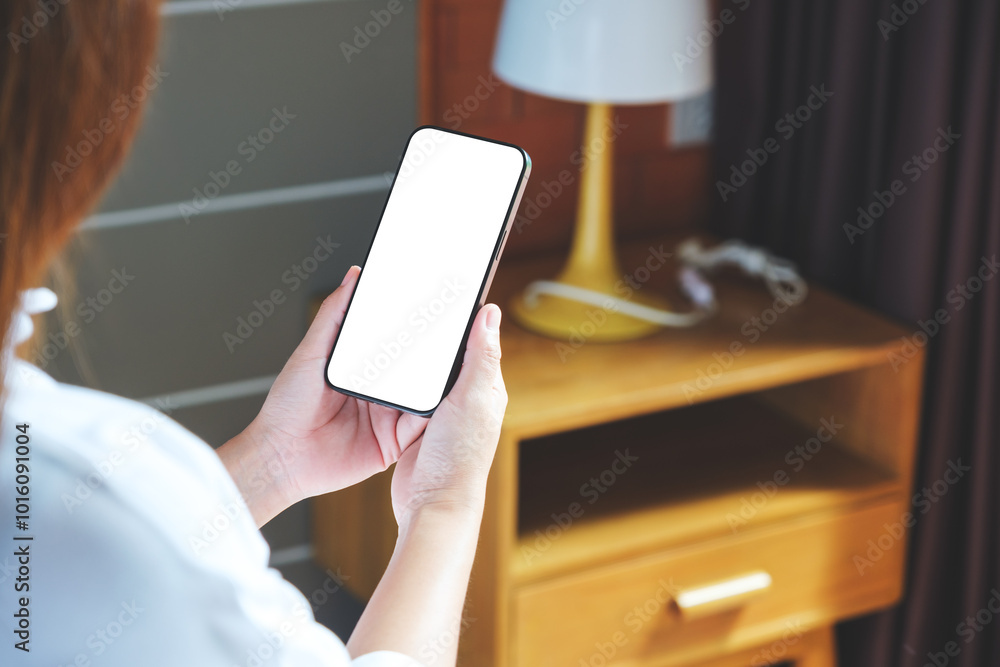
<point>428,269</point>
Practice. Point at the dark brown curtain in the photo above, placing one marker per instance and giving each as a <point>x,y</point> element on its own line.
<point>906,77</point>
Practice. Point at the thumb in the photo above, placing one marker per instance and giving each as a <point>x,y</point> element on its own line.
<point>481,365</point>
<point>326,324</point>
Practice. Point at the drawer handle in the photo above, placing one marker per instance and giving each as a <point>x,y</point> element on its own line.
<point>721,596</point>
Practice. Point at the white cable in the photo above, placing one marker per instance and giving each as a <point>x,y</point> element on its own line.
<point>612,303</point>
<point>780,276</point>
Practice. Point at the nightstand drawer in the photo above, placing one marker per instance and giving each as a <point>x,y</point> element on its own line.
<point>767,585</point>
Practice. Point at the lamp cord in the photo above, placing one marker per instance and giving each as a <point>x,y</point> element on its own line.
<point>780,276</point>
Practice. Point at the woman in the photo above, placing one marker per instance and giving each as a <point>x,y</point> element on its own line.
<point>137,543</point>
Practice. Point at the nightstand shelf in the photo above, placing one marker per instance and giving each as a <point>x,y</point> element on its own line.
<point>696,478</point>
<point>712,414</point>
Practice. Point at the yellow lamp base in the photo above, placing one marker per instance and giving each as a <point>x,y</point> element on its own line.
<point>564,319</point>
<point>592,264</point>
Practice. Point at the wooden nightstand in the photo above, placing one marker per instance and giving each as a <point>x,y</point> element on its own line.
<point>712,496</point>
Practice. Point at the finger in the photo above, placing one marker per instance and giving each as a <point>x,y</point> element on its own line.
<point>402,428</point>
<point>327,322</point>
<point>481,364</point>
<point>409,428</point>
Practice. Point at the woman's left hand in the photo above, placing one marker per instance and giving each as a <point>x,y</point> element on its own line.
<point>308,439</point>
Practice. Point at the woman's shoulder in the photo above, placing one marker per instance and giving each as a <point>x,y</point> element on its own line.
<point>65,408</point>
<point>99,455</point>
<point>101,432</point>
<point>141,537</point>
<point>134,521</point>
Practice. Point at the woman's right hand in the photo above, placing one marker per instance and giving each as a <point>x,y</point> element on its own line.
<point>448,465</point>
<point>438,492</point>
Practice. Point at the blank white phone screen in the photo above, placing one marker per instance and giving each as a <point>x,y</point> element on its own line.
<point>421,280</point>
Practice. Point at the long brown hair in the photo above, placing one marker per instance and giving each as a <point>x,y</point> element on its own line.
<point>71,91</point>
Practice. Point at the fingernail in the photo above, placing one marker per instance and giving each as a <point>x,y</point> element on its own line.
<point>493,319</point>
<point>346,276</point>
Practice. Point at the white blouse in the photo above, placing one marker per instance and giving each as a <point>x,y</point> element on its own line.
<point>136,547</point>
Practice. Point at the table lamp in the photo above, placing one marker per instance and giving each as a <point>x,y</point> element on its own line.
<point>601,53</point>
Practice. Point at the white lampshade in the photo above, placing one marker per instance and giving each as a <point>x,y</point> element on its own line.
<point>614,51</point>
